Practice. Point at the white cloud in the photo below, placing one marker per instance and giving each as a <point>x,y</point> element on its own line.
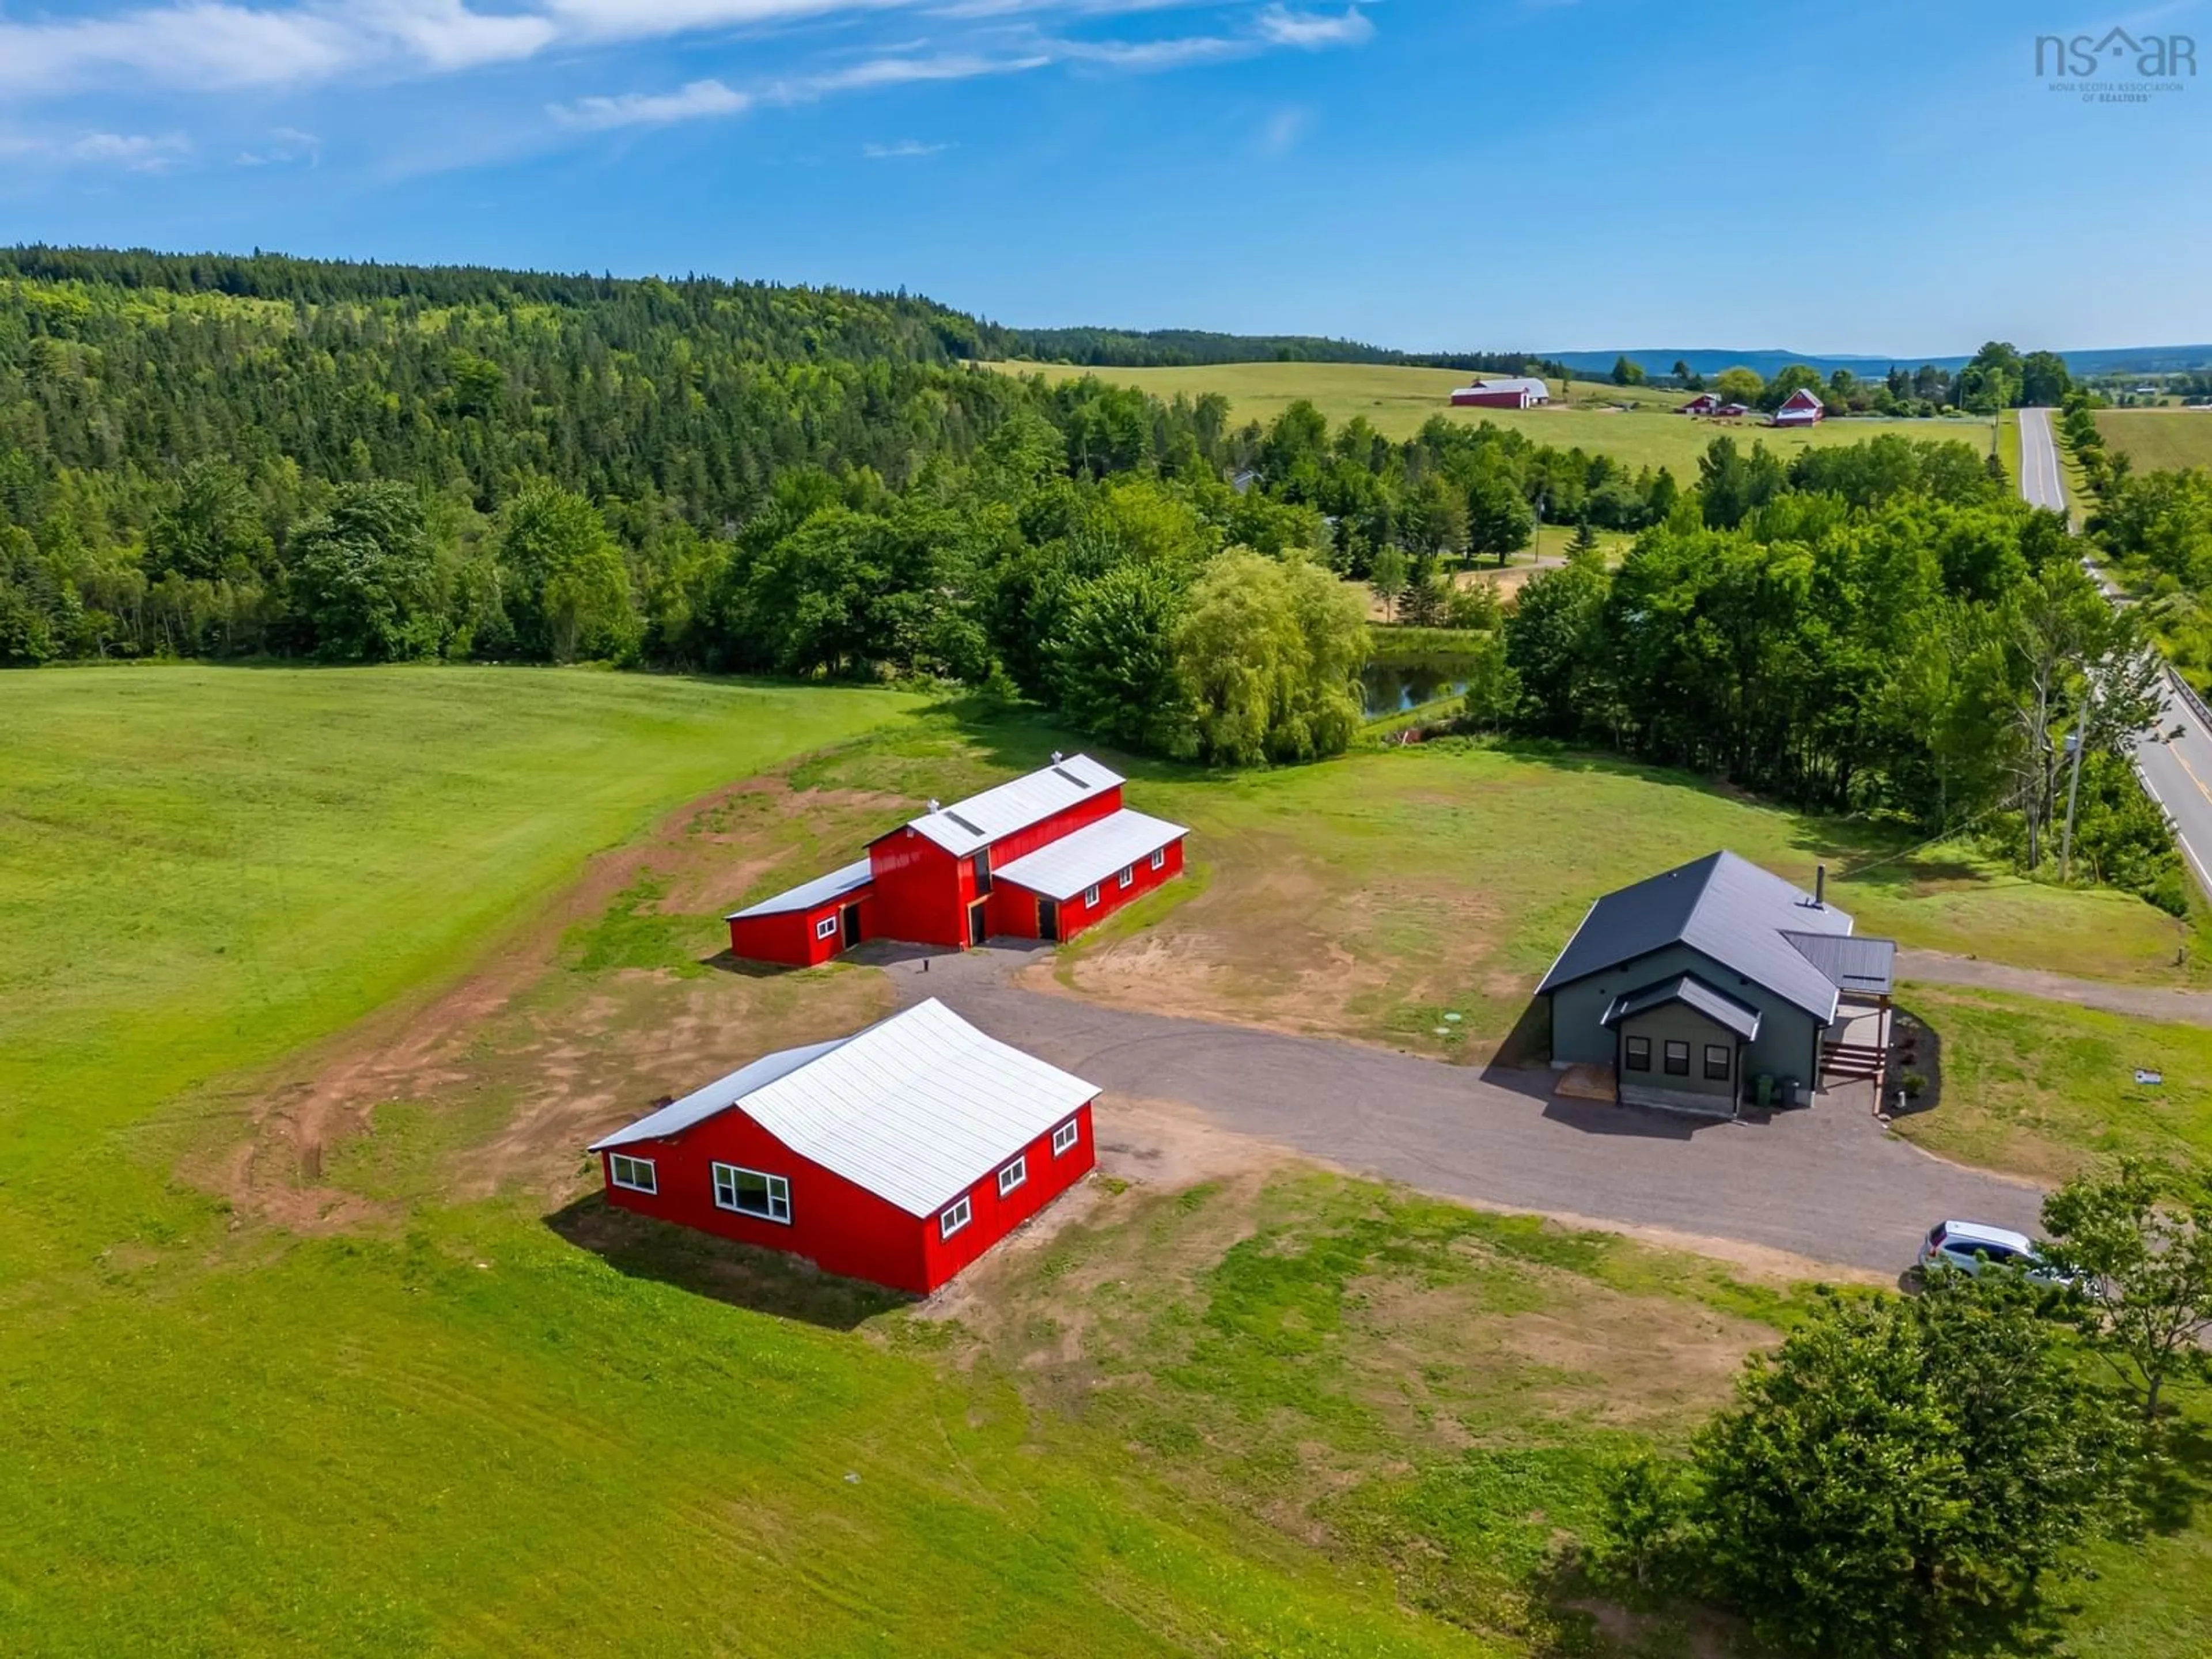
<point>1312,30</point>
<point>1280,132</point>
<point>905,149</point>
<point>1143,55</point>
<point>130,151</point>
<point>284,145</point>
<point>633,109</point>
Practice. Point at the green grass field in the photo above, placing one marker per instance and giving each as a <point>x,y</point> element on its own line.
<point>2044,1089</point>
<point>2158,439</point>
<point>1273,1412</point>
<point>1398,402</point>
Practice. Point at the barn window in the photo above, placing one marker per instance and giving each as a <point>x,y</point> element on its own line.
<point>1716,1062</point>
<point>826,928</point>
<point>1090,895</point>
<point>1129,876</point>
<point>1678,1058</point>
<point>1013,1175</point>
<point>749,1192</point>
<point>1159,858</point>
<point>1065,1136</point>
<point>635,1173</point>
<point>1639,1053</point>
<point>957,1215</point>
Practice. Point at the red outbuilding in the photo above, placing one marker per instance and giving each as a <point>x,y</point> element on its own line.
<point>1800,408</point>
<point>898,1155</point>
<point>1522,392</point>
<point>1706,402</point>
<point>958,874</point>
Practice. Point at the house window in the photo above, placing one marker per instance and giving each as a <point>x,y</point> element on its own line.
<point>955,1217</point>
<point>1129,876</point>
<point>1716,1062</point>
<point>1065,1136</point>
<point>635,1173</point>
<point>1090,895</point>
<point>826,928</point>
<point>749,1192</point>
<point>1678,1058</point>
<point>1639,1053</point>
<point>1159,858</point>
<point>1013,1175</point>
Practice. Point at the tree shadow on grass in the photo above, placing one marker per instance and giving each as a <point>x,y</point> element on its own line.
<point>763,1281</point>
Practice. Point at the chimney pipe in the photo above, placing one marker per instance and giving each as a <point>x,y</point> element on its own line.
<point>1820,887</point>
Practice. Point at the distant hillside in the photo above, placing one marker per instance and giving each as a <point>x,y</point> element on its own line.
<point>1768,362</point>
<point>1184,348</point>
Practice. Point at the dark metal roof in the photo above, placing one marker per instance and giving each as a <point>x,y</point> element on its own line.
<point>1721,906</point>
<point>1864,965</point>
<point>1693,992</point>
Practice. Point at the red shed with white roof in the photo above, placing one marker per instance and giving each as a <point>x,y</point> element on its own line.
<point>898,1155</point>
<point>1042,856</point>
<point>1800,408</point>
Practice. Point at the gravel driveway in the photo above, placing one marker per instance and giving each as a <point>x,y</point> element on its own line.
<point>1828,1184</point>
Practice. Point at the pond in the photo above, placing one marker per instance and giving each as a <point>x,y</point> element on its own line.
<point>1392,687</point>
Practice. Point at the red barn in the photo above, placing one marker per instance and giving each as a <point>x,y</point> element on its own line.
<point>959,873</point>
<point>1706,402</point>
<point>1524,391</point>
<point>1800,408</point>
<point>898,1156</point>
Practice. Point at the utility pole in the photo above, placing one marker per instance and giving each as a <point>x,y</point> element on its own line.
<point>2073,791</point>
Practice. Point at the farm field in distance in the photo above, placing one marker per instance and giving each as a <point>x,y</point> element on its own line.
<point>2158,439</point>
<point>1398,401</point>
<point>440,1398</point>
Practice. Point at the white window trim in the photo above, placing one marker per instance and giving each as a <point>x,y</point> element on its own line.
<point>826,928</point>
<point>1019,1170</point>
<point>947,1224</point>
<point>774,1182</point>
<point>1065,1137</point>
<point>1090,896</point>
<point>1159,858</point>
<point>650,1186</point>
<point>1128,877</point>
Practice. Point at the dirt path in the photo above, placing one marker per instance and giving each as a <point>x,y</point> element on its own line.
<point>2142,1001</point>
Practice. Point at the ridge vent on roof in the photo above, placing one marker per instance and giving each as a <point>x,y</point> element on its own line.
<point>1062,772</point>
<point>963,823</point>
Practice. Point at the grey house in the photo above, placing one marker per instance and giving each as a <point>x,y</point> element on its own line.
<point>1691,985</point>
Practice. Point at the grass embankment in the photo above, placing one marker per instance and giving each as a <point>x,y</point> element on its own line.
<point>1397,402</point>
<point>2045,1089</point>
<point>451,1430</point>
<point>2158,439</point>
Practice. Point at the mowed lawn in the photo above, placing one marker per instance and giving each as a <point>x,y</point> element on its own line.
<point>454,1430</point>
<point>1398,402</point>
<point>2158,439</point>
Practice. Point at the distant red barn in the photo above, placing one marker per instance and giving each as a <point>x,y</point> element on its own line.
<point>1800,408</point>
<point>1706,402</point>
<point>899,1155</point>
<point>1041,857</point>
<point>1522,392</point>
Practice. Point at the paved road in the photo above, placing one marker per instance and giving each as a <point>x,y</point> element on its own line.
<point>2176,769</point>
<point>1826,1183</point>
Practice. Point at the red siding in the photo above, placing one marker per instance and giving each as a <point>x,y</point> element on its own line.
<point>1014,909</point>
<point>923,892</point>
<point>791,938</point>
<point>842,1228</point>
<point>993,1217</point>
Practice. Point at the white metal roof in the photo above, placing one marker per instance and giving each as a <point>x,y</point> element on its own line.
<point>809,895</point>
<point>1063,868</point>
<point>915,1109</point>
<point>967,826</point>
<point>1527,383</point>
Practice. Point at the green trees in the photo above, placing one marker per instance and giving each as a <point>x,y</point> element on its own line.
<point>1739,386</point>
<point>2140,1240</point>
<point>1627,372</point>
<point>365,577</point>
<point>567,590</point>
<point>1499,520</point>
<point>1794,377</point>
<point>1116,664</point>
<point>1901,1479</point>
<point>1266,654</point>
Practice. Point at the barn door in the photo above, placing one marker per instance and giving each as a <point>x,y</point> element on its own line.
<point>849,927</point>
<point>975,923</point>
<point>1048,920</point>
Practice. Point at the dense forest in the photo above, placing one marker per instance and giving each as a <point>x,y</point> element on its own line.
<point>266,456</point>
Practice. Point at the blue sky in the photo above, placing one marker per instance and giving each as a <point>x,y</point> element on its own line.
<point>1875,177</point>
